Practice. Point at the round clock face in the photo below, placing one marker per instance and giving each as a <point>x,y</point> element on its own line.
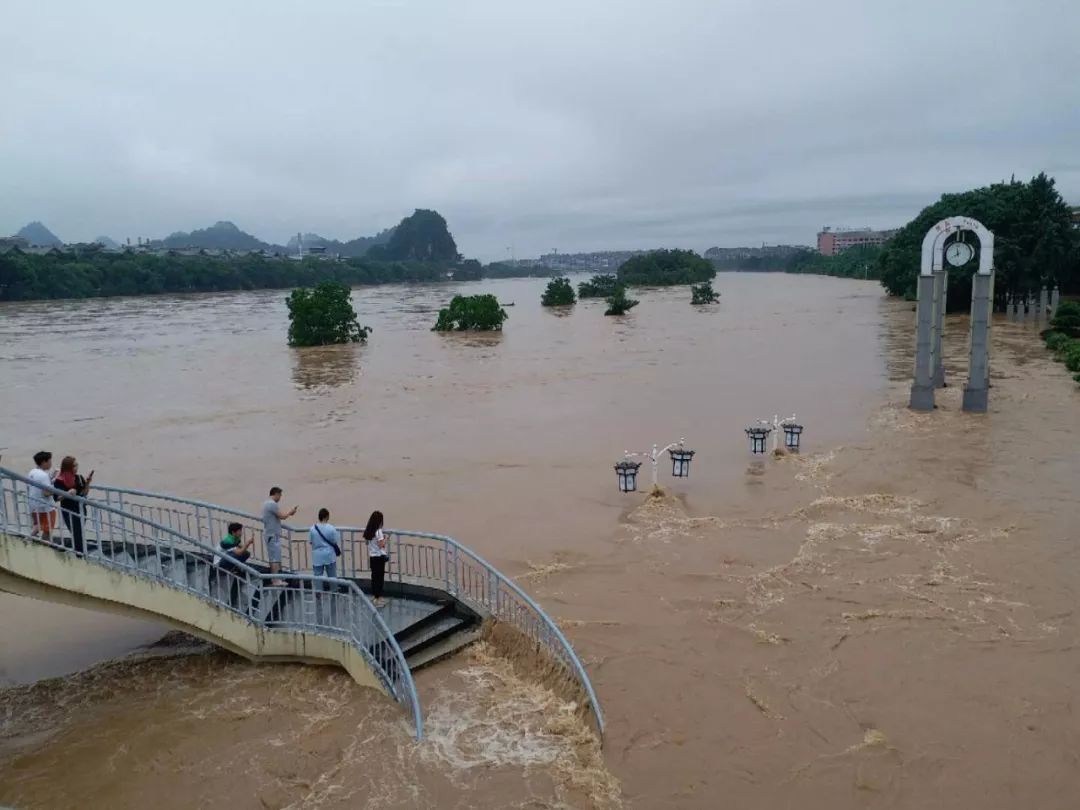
<point>959,253</point>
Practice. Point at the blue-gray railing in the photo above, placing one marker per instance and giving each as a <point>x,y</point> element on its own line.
<point>419,558</point>
<point>114,535</point>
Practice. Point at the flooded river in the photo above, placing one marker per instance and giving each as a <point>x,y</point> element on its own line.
<point>885,621</point>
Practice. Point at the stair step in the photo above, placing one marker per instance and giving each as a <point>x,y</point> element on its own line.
<point>415,641</point>
<point>434,614</point>
<point>443,649</point>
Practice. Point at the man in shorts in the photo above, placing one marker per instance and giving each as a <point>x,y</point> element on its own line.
<point>42,502</point>
<point>271,518</point>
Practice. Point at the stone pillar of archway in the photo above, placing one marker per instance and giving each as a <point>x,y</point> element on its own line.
<point>941,288</point>
<point>977,390</point>
<point>922,391</point>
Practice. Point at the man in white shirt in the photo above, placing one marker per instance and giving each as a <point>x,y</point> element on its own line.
<point>42,503</point>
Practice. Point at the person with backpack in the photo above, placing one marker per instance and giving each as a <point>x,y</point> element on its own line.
<point>325,549</point>
<point>325,546</point>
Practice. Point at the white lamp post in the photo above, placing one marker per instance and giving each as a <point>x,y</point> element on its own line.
<point>680,464</point>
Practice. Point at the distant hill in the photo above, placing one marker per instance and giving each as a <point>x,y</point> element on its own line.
<point>219,236</point>
<point>37,234</point>
<point>352,248</point>
<point>111,244</point>
<point>422,236</point>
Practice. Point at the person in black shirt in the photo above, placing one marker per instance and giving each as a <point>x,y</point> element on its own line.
<point>72,483</point>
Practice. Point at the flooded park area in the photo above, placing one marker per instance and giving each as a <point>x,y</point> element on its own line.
<point>885,620</point>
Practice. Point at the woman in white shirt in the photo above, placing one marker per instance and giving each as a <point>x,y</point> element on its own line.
<point>378,556</point>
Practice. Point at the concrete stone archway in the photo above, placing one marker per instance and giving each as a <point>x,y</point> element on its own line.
<point>933,285</point>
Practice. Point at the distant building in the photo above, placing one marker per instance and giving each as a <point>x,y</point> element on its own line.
<point>1076,216</point>
<point>830,242</point>
<point>602,261</point>
<point>763,252</point>
<point>13,242</point>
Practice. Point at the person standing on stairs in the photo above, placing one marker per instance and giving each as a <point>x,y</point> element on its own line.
<point>325,549</point>
<point>69,481</point>
<point>271,518</point>
<point>378,555</point>
<point>40,497</point>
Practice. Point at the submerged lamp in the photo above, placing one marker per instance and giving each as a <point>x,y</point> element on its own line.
<point>680,461</point>
<point>792,436</point>
<point>758,437</point>
<point>627,472</point>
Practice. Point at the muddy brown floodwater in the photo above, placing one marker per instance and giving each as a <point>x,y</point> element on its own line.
<point>886,621</point>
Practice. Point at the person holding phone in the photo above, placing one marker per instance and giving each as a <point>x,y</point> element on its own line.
<point>378,555</point>
<point>70,482</point>
<point>271,519</point>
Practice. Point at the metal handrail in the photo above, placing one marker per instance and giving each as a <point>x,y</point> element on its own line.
<point>226,585</point>
<point>434,560</point>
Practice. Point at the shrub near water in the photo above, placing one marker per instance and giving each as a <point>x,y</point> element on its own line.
<point>477,313</point>
<point>323,316</point>
<point>618,303</point>
<point>703,294</point>
<point>1063,339</point>
<point>601,286</point>
<point>559,293</point>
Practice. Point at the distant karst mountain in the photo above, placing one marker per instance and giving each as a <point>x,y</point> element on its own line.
<point>219,236</point>
<point>422,237</point>
<point>351,248</point>
<point>37,234</point>
<point>111,244</point>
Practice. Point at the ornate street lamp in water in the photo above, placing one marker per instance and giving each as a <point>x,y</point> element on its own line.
<point>759,434</point>
<point>627,472</point>
<point>680,464</point>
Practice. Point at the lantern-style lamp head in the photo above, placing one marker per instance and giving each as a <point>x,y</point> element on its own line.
<point>680,461</point>
<point>758,437</point>
<point>792,436</point>
<point>627,472</point>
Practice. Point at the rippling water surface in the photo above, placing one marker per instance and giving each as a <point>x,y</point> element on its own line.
<point>885,621</point>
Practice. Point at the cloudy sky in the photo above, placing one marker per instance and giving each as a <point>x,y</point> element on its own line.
<point>536,124</point>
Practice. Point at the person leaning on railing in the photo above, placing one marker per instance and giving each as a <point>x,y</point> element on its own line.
<point>71,482</point>
<point>232,548</point>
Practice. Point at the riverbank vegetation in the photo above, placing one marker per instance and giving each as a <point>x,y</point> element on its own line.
<point>1063,336</point>
<point>323,315</point>
<point>559,293</point>
<point>661,268</point>
<point>703,294</point>
<point>471,313</point>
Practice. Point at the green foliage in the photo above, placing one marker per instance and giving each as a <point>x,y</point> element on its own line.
<point>559,293</point>
<point>323,316</point>
<point>1056,341</point>
<point>703,294</point>
<point>1071,356</point>
<point>602,286</point>
<point>1034,241</point>
<point>25,277</point>
<point>469,270</point>
<point>1067,319</point>
<point>666,267</point>
<point>618,303</point>
<point>421,237</point>
<point>471,313</point>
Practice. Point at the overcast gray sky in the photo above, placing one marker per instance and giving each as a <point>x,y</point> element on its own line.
<point>578,125</point>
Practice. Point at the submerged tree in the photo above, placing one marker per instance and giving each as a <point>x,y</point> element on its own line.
<point>618,303</point>
<point>601,286</point>
<point>703,294</point>
<point>479,313</point>
<point>559,293</point>
<point>323,315</point>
